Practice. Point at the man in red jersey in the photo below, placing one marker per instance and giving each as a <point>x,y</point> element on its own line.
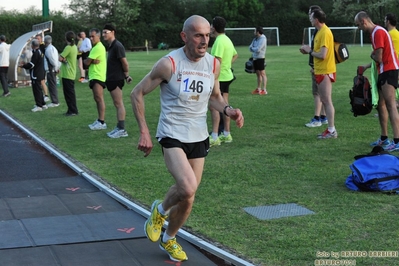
<point>387,66</point>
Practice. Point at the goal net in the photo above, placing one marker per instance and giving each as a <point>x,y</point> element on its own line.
<point>244,36</point>
<point>347,35</point>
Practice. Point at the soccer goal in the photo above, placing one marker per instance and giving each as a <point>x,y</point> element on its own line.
<point>244,36</point>
<point>347,35</point>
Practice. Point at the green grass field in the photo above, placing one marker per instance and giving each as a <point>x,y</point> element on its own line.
<point>274,159</point>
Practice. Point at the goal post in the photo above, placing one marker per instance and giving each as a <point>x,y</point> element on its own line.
<point>347,35</point>
<point>244,36</point>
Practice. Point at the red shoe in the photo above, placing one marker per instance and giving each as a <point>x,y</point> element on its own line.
<point>257,91</point>
<point>263,92</point>
<point>81,79</point>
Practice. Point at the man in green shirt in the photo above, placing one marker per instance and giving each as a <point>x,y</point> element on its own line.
<point>223,49</point>
<point>97,63</point>
<point>68,73</point>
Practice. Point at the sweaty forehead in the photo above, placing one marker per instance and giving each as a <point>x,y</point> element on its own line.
<point>200,29</point>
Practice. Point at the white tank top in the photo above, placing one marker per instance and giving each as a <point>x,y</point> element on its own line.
<point>184,99</point>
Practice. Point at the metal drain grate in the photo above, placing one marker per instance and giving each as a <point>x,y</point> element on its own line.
<point>277,211</point>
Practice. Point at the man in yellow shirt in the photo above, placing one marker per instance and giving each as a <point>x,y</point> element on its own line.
<point>390,24</point>
<point>324,67</point>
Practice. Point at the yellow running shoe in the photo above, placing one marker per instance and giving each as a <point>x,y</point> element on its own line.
<point>173,249</point>
<point>214,142</point>
<point>154,223</point>
<point>225,139</point>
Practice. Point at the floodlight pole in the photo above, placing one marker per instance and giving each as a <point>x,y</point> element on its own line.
<point>45,8</point>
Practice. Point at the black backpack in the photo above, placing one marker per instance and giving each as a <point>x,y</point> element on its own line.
<point>360,94</point>
<point>249,66</point>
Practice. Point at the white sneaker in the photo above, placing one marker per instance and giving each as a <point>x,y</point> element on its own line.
<point>44,107</point>
<point>46,99</point>
<point>113,131</point>
<point>36,109</point>
<point>97,125</point>
<point>117,133</point>
<point>85,81</point>
<point>313,123</point>
<point>53,105</point>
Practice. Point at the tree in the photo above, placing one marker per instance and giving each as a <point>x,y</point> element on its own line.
<point>346,10</point>
<point>239,13</point>
<point>95,13</point>
<point>161,21</point>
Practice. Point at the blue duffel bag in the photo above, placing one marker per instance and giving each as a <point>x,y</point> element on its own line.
<point>374,172</point>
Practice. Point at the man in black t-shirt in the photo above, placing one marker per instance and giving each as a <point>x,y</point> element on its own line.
<point>117,74</point>
<point>42,48</point>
